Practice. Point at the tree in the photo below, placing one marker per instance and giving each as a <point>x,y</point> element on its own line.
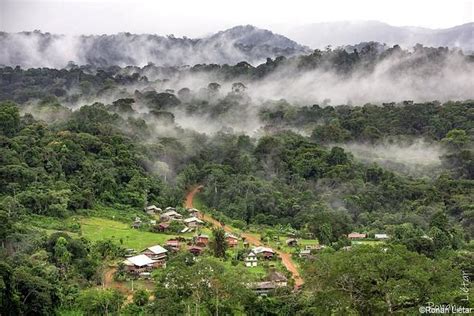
<point>100,302</point>
<point>378,280</point>
<point>141,297</point>
<point>9,118</point>
<point>61,253</point>
<point>218,243</point>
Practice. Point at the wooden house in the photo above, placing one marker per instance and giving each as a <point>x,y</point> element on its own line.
<point>157,253</point>
<point>170,216</point>
<point>139,264</point>
<point>232,240</point>
<point>193,222</point>
<point>195,250</point>
<point>201,240</point>
<point>264,252</point>
<point>152,209</point>
<point>172,245</point>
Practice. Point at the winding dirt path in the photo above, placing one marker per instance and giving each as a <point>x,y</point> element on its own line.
<point>110,283</point>
<point>285,257</point>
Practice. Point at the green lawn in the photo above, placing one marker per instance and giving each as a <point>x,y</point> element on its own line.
<point>367,242</point>
<point>281,244</point>
<point>95,228</point>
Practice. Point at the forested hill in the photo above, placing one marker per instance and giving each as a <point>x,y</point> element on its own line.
<point>332,76</point>
<point>37,49</point>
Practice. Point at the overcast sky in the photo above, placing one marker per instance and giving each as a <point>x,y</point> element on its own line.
<point>195,18</point>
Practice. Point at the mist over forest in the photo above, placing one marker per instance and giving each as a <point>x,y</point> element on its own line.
<point>280,143</point>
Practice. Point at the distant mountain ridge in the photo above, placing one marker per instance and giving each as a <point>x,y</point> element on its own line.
<point>240,43</point>
<point>319,35</point>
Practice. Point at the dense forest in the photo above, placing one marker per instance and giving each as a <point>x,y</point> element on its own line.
<point>81,140</point>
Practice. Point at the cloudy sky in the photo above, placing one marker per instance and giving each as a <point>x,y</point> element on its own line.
<point>195,18</point>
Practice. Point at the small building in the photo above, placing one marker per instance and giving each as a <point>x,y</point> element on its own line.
<point>292,242</point>
<point>278,278</point>
<point>356,236</point>
<point>137,223</point>
<point>172,245</point>
<point>201,240</point>
<point>193,222</point>
<point>169,208</point>
<point>306,253</point>
<point>381,236</point>
<point>170,216</point>
<point>193,212</point>
<point>138,264</point>
<point>162,227</point>
<point>152,209</point>
<point>195,250</point>
<point>251,260</point>
<point>157,254</point>
<point>232,240</point>
<point>262,288</point>
<point>314,247</point>
<point>265,252</point>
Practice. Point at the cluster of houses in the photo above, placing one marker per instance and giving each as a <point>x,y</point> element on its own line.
<point>169,215</point>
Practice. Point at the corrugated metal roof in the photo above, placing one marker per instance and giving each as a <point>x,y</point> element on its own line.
<point>157,249</point>
<point>140,260</point>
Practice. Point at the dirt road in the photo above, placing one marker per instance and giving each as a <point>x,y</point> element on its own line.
<point>110,283</point>
<point>285,257</point>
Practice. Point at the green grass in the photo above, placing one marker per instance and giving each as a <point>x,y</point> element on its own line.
<point>367,242</point>
<point>94,228</point>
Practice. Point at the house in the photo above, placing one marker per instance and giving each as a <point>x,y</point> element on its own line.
<point>152,209</point>
<point>138,264</point>
<point>157,253</point>
<point>193,222</point>
<point>381,236</point>
<point>306,253</point>
<point>314,247</point>
<point>137,223</point>
<point>195,250</point>
<point>201,240</point>
<point>251,260</point>
<point>356,236</point>
<point>262,288</point>
<point>292,242</point>
<point>193,212</point>
<point>170,216</point>
<point>278,278</point>
<point>265,252</point>
<point>169,208</point>
<point>232,240</point>
<point>172,244</point>
<point>162,227</point>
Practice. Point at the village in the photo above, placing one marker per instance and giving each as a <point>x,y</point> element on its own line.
<point>140,265</point>
<point>192,234</point>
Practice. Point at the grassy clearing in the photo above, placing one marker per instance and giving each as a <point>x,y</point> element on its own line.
<point>367,242</point>
<point>95,229</point>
